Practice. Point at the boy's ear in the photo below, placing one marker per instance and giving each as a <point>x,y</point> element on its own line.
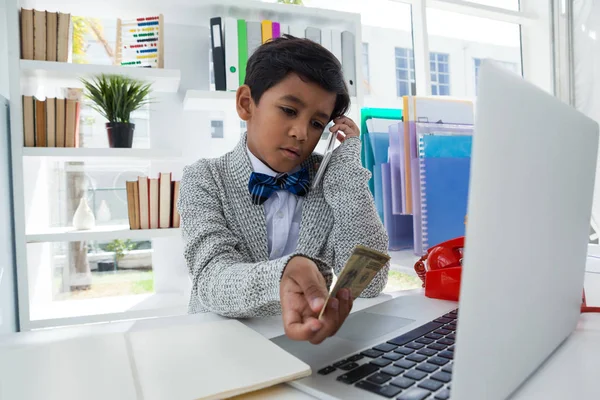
<point>243,102</point>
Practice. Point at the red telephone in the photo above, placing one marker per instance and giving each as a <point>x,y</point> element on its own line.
<point>440,269</point>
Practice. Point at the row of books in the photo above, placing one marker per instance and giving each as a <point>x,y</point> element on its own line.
<point>420,164</point>
<point>45,35</point>
<point>152,202</point>
<point>235,40</point>
<point>51,123</point>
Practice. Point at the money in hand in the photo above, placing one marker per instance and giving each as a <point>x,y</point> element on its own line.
<point>359,271</point>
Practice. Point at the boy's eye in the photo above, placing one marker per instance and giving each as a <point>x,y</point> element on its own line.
<point>318,125</point>
<point>288,111</point>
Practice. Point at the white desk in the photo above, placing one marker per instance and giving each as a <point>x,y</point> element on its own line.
<point>571,373</point>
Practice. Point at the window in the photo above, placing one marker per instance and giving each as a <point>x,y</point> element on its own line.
<point>405,72</point>
<point>511,66</point>
<point>440,74</point>
<point>464,38</point>
<point>365,59</point>
<point>216,130</point>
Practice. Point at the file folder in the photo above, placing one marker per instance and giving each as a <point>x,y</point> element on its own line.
<point>242,50</point>
<point>267,30</point>
<point>276,30</point>
<point>231,54</point>
<point>218,53</point>
<point>326,38</point>
<point>253,36</point>
<point>349,61</point>
<point>399,227</point>
<point>313,34</point>
<point>297,31</point>
<point>336,44</point>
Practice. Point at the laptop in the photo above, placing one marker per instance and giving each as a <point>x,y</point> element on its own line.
<point>532,179</point>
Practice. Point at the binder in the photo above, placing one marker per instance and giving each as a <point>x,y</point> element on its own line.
<point>326,38</point>
<point>423,110</point>
<point>284,29</point>
<point>399,227</point>
<point>297,31</point>
<point>276,30</point>
<point>242,50</point>
<point>267,30</point>
<point>396,131</point>
<point>349,61</point>
<point>336,43</point>
<point>216,30</point>
<point>231,54</point>
<point>445,167</point>
<point>313,34</point>
<point>254,36</point>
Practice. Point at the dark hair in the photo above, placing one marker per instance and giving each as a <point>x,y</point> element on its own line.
<point>275,59</point>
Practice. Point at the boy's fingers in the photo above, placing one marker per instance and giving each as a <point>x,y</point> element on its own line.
<point>349,122</point>
<point>314,289</point>
<point>297,328</point>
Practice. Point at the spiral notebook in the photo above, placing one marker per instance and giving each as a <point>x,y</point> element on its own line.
<point>443,178</point>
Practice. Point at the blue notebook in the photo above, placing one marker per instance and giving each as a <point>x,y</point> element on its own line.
<point>445,163</point>
<point>399,227</point>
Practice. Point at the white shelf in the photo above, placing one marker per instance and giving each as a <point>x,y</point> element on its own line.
<point>212,100</point>
<point>112,308</point>
<point>56,74</point>
<point>198,13</point>
<point>109,232</point>
<point>76,154</point>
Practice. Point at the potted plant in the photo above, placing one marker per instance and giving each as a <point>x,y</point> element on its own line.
<point>115,97</point>
<point>120,247</point>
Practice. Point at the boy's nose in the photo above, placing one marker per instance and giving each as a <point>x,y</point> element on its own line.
<point>299,131</point>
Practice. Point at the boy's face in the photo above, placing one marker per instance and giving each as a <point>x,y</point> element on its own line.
<point>286,125</point>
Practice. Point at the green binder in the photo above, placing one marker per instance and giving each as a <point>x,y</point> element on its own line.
<point>242,49</point>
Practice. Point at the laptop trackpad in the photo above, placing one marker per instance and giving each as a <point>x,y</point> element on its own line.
<point>365,326</point>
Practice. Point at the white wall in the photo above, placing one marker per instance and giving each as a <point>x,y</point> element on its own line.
<point>8,318</point>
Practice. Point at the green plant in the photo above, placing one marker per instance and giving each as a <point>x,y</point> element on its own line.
<point>119,247</point>
<point>115,97</point>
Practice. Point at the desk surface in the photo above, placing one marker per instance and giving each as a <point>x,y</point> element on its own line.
<point>571,372</point>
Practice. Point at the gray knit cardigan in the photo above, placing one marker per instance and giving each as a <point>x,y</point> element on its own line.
<point>225,234</point>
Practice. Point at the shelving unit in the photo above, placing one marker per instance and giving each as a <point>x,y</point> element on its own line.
<point>100,233</point>
<point>55,74</point>
<point>212,100</point>
<point>81,154</point>
<point>185,20</point>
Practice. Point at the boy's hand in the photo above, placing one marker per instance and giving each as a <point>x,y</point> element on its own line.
<point>303,292</point>
<point>347,127</point>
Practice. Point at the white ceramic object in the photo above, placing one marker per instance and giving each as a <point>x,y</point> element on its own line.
<point>103,212</point>
<point>84,217</point>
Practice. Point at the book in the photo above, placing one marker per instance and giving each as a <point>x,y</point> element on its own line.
<point>164,200</point>
<point>136,205</point>
<point>144,202</point>
<point>29,121</point>
<point>27,34</point>
<point>131,209</point>
<point>51,122</point>
<point>175,218</point>
<point>39,35</point>
<point>40,123</point>
<point>62,38</point>
<point>60,122</point>
<point>70,122</point>
<point>154,203</point>
<point>51,35</point>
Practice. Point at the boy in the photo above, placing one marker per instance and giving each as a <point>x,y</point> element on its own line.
<point>258,242</point>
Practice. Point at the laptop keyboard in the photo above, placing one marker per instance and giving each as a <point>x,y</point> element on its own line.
<point>414,366</point>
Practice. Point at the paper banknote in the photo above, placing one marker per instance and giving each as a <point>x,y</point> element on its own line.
<point>359,271</point>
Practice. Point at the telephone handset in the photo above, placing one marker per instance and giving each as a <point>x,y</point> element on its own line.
<point>440,269</point>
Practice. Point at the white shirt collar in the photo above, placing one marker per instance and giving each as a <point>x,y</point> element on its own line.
<point>260,167</point>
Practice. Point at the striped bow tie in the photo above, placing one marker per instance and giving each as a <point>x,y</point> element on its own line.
<point>262,186</point>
